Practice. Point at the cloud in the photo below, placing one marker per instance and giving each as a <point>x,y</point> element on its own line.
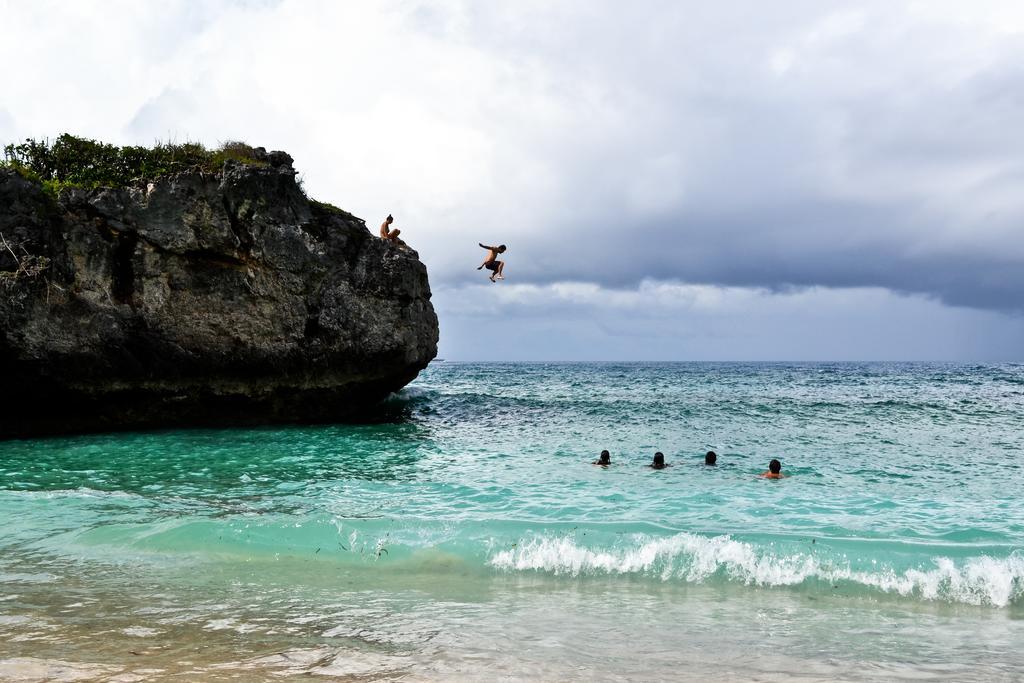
<point>853,145</point>
<point>884,154</point>
<point>7,125</point>
<point>673,321</point>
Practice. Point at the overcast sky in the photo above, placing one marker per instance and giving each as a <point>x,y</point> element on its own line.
<point>674,180</point>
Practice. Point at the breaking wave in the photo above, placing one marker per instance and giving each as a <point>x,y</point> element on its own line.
<point>981,580</point>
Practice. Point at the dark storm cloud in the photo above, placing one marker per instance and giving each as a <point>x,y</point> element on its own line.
<point>812,243</point>
<point>770,145</point>
<point>841,145</point>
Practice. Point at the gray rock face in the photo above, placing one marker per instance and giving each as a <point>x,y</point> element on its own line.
<point>200,299</point>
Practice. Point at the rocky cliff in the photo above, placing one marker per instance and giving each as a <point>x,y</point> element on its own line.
<point>199,298</point>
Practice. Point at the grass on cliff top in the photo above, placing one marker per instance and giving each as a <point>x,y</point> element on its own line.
<point>71,161</point>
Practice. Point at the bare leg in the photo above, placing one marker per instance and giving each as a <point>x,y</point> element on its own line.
<point>501,267</point>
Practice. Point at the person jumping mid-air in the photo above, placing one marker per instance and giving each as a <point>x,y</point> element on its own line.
<point>492,263</point>
<point>386,233</point>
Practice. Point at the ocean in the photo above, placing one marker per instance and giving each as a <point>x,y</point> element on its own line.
<point>463,534</point>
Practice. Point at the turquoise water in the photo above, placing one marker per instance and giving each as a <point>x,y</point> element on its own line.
<point>467,534</point>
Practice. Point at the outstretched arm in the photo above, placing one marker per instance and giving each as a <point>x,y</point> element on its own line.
<point>490,252</point>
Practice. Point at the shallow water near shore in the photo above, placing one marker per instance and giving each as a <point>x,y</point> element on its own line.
<point>466,534</point>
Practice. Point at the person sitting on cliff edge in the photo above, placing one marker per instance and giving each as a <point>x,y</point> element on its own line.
<point>492,263</point>
<point>387,234</point>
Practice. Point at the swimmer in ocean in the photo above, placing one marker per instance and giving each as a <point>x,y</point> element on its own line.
<point>492,263</point>
<point>659,462</point>
<point>604,460</point>
<point>710,458</point>
<point>774,470</point>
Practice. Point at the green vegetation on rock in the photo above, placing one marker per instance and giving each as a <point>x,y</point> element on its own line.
<point>71,161</point>
<point>331,208</point>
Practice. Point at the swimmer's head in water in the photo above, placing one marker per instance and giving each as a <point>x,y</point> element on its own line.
<point>711,458</point>
<point>606,457</point>
<point>775,466</point>
<point>659,460</point>
<point>501,248</point>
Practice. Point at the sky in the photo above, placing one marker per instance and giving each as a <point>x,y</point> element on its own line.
<point>741,180</point>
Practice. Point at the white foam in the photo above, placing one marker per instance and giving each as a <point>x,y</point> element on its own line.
<point>692,558</point>
<point>230,624</point>
<point>81,492</point>
<point>35,669</point>
<point>40,577</point>
<point>408,393</point>
<point>140,631</point>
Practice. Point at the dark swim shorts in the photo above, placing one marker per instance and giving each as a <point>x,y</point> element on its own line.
<point>493,265</point>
